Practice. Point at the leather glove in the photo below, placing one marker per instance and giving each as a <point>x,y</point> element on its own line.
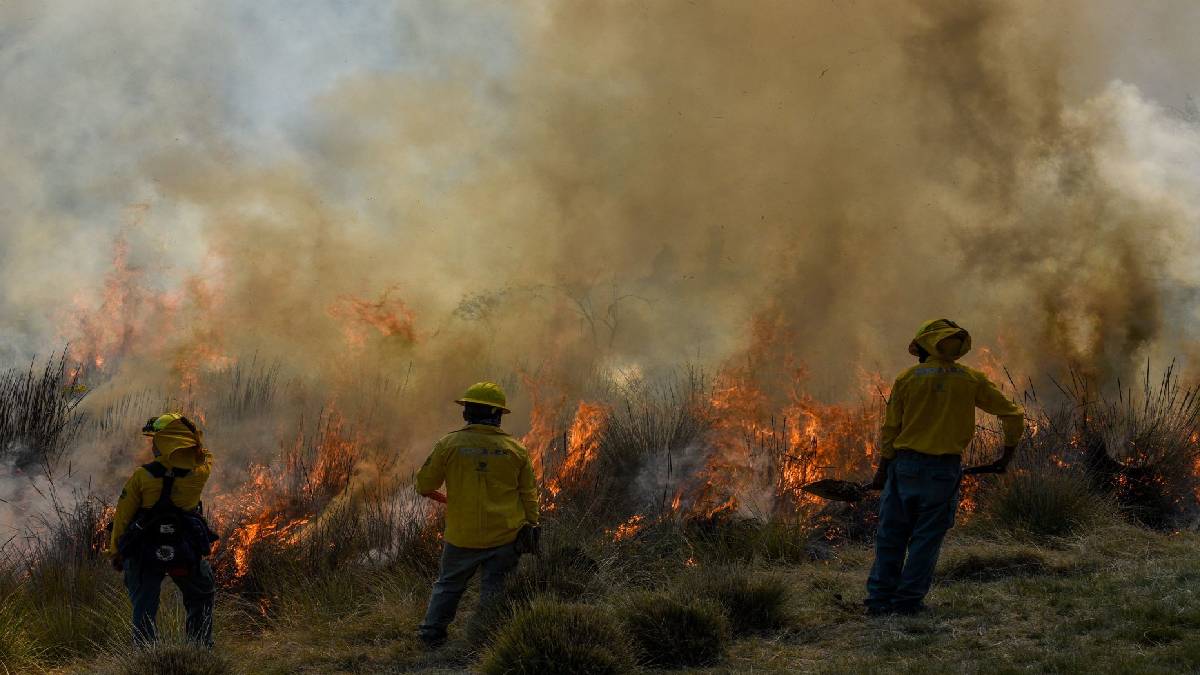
<point>529,540</point>
<point>880,478</point>
<point>118,562</point>
<point>1005,459</point>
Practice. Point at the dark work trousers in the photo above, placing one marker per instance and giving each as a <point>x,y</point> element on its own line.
<point>916,510</point>
<point>458,566</point>
<point>198,590</point>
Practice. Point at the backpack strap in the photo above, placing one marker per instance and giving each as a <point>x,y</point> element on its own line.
<point>168,476</point>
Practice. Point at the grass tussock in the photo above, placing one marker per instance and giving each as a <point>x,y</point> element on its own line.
<point>672,632</point>
<point>994,565</point>
<point>18,651</point>
<point>170,658</point>
<point>752,604</point>
<point>552,637</point>
<point>1042,504</point>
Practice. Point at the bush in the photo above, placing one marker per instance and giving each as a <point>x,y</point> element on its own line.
<point>555,637</point>
<point>674,633</point>
<point>751,605</point>
<point>170,658</point>
<point>1043,504</point>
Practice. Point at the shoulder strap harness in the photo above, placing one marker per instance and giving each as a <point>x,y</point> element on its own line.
<point>168,476</point>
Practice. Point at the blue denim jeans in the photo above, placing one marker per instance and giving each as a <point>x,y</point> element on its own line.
<point>198,590</point>
<point>458,566</point>
<point>916,510</point>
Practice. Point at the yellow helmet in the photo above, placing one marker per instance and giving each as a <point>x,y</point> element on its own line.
<point>932,332</point>
<point>157,424</point>
<point>485,393</point>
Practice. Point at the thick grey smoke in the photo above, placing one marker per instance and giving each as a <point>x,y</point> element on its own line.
<point>455,190</point>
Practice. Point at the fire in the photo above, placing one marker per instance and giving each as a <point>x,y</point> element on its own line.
<point>274,507</point>
<point>387,317</point>
<point>628,529</point>
<point>583,446</point>
<point>782,435</point>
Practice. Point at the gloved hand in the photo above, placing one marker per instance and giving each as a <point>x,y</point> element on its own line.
<point>529,540</point>
<point>118,562</point>
<point>1005,459</point>
<point>880,478</point>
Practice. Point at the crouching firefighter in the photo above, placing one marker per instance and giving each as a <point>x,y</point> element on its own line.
<point>930,420</point>
<point>159,530</point>
<point>491,507</point>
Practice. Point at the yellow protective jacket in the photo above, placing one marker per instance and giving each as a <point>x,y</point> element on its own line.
<point>932,406</point>
<point>490,488</point>
<point>175,448</point>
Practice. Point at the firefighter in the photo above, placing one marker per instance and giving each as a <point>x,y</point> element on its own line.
<point>930,420</point>
<point>159,529</point>
<point>491,506</point>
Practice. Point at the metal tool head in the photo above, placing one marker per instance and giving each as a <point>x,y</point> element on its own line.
<point>837,490</point>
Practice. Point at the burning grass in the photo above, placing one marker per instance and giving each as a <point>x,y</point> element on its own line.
<point>650,485</point>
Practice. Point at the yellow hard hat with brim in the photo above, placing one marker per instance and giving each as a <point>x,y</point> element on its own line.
<point>938,329</point>
<point>485,393</point>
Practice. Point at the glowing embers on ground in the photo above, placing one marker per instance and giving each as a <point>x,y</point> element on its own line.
<point>627,529</point>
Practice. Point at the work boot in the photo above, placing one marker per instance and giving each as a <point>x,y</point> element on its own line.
<point>432,641</point>
<point>877,607</point>
<point>910,608</point>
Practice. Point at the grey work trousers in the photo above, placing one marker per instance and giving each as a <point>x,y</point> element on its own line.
<point>457,568</point>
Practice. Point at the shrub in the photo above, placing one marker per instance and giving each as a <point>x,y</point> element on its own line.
<point>752,605</point>
<point>554,637</point>
<point>675,633</point>
<point>1043,504</point>
<point>170,658</point>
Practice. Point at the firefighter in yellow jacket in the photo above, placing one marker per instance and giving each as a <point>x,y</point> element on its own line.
<point>491,498</point>
<point>158,529</point>
<point>930,421</point>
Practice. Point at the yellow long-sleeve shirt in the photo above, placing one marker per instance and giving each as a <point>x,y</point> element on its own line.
<point>142,490</point>
<point>932,409</point>
<point>491,491</point>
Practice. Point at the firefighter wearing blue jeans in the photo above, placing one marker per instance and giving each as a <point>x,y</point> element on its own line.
<point>930,421</point>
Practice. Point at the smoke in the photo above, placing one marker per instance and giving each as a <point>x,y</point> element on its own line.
<point>443,192</point>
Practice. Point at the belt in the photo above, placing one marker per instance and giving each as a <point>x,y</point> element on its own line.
<point>905,453</point>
